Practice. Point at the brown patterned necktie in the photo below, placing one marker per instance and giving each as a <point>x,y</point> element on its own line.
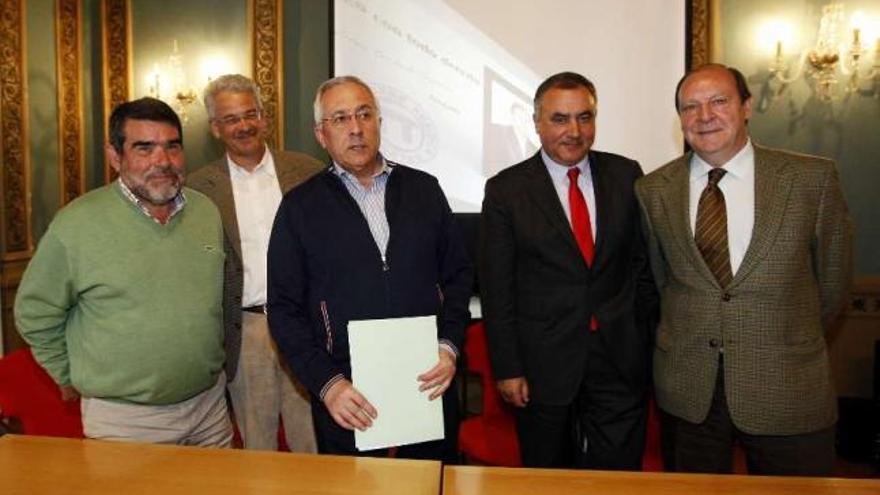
<point>711,231</point>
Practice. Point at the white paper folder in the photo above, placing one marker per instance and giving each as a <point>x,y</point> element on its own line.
<point>386,357</point>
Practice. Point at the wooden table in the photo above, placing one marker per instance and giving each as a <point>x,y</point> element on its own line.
<point>472,480</point>
<point>41,465</point>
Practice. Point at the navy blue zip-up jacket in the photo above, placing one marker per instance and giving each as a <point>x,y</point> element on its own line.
<point>325,269</point>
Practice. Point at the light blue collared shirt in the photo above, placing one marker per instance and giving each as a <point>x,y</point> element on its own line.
<point>371,201</point>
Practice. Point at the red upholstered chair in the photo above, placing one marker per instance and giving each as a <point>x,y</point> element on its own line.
<point>490,437</point>
<point>29,394</point>
<point>652,460</point>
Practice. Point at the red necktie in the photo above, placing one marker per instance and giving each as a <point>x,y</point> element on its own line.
<point>580,224</point>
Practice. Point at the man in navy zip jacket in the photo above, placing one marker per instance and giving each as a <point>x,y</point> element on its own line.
<point>365,239</point>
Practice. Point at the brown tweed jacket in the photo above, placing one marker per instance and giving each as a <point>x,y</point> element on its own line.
<point>213,180</point>
<point>771,320</point>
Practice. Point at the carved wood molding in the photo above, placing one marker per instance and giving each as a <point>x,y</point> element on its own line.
<point>15,224</point>
<point>116,56</point>
<point>68,58</point>
<point>701,33</point>
<point>267,70</point>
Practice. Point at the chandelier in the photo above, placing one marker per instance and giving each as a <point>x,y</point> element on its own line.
<point>843,61</point>
<point>168,83</point>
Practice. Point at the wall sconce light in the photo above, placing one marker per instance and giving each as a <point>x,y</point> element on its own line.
<point>838,55</point>
<point>169,83</point>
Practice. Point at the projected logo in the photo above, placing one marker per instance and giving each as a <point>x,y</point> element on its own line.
<point>409,133</point>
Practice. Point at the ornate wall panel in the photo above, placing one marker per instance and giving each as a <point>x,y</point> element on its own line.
<point>68,41</point>
<point>15,211</point>
<point>701,30</point>
<point>116,55</point>
<point>267,57</point>
<point>13,129</point>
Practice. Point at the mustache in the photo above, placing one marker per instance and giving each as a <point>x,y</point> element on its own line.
<point>163,170</point>
<point>249,132</point>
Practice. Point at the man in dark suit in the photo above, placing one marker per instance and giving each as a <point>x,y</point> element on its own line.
<point>365,239</point>
<point>751,251</point>
<point>246,184</point>
<point>566,290</point>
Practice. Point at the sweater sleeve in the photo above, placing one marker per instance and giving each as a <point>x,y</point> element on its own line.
<point>457,278</point>
<point>287,307</point>
<point>44,298</point>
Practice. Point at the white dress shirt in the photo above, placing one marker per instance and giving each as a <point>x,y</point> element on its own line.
<point>559,176</point>
<point>738,186</point>
<point>257,195</point>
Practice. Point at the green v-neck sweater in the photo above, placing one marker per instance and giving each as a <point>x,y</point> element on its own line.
<point>124,308</point>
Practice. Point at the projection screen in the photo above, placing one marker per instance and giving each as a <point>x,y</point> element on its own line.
<point>455,79</point>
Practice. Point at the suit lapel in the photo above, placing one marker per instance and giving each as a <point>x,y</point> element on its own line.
<point>542,192</point>
<point>225,201</point>
<point>288,174</point>
<point>605,205</point>
<point>676,202</point>
<point>771,194</point>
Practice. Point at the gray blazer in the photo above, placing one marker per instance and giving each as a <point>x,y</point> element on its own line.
<point>771,320</point>
<point>213,181</point>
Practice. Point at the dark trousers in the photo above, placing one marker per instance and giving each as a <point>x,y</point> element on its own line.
<point>603,429</point>
<point>707,447</point>
<point>336,440</point>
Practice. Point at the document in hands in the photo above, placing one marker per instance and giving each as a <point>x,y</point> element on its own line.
<point>386,357</point>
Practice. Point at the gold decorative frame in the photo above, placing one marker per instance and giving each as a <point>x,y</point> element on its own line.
<point>267,21</point>
<point>700,26</point>
<point>116,55</point>
<point>15,179</point>
<point>68,43</point>
<point>16,237</point>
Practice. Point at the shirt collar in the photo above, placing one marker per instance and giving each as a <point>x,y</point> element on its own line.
<point>178,202</point>
<point>558,171</point>
<point>385,169</point>
<point>741,166</point>
<point>266,166</point>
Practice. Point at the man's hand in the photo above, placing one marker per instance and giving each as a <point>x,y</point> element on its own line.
<point>514,391</point>
<point>348,407</point>
<point>68,393</point>
<point>440,376</point>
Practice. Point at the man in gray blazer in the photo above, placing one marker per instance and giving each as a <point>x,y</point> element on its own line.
<point>751,252</point>
<point>247,185</point>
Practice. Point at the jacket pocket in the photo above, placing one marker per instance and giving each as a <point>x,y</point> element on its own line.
<point>439,294</point>
<point>327,329</point>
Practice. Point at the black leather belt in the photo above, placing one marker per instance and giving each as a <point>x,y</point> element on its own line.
<point>256,309</point>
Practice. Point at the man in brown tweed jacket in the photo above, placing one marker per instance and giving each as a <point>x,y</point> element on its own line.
<point>246,184</point>
<point>747,292</point>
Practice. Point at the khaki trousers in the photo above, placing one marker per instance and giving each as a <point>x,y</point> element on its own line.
<point>264,389</point>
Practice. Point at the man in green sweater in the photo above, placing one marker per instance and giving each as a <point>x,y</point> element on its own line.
<point>121,303</point>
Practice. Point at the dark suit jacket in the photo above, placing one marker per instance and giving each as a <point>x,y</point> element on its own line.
<point>772,317</point>
<point>213,180</point>
<point>538,294</point>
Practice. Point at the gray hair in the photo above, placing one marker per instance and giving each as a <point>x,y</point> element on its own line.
<point>235,83</point>
<point>332,83</point>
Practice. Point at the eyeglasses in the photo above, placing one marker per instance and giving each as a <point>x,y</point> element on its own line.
<point>230,120</point>
<point>341,119</point>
